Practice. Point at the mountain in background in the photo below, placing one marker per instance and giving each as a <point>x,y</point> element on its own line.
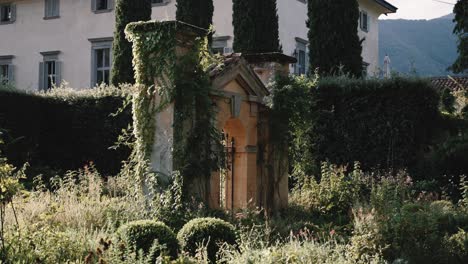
<point>427,47</point>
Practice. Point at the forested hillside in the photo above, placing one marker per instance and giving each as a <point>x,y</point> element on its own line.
<point>424,47</point>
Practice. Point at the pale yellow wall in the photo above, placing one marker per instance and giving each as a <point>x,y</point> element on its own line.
<point>31,34</point>
<point>370,47</point>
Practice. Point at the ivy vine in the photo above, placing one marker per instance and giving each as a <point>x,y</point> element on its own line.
<point>180,78</point>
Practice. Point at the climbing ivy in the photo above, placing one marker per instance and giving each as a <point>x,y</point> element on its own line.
<point>181,79</point>
<point>148,63</point>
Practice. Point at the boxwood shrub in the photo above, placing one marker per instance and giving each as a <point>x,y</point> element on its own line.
<point>211,232</point>
<point>141,235</point>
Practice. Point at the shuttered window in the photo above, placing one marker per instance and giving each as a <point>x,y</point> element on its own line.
<point>301,54</point>
<point>7,13</point>
<point>99,6</point>
<point>102,65</point>
<point>6,70</point>
<point>101,60</point>
<point>50,71</point>
<point>52,8</point>
<point>364,21</point>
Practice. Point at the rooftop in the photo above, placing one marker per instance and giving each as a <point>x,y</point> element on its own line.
<point>387,5</point>
<point>452,83</point>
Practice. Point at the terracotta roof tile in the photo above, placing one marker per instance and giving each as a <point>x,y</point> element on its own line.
<point>453,83</point>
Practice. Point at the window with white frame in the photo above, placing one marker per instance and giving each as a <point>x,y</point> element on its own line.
<point>6,70</point>
<point>220,45</point>
<point>301,66</point>
<point>52,9</point>
<point>101,60</point>
<point>99,6</point>
<point>7,13</point>
<point>50,70</point>
<point>364,21</point>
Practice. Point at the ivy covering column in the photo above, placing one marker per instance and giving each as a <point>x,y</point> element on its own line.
<point>126,11</point>
<point>172,108</point>
<point>255,26</point>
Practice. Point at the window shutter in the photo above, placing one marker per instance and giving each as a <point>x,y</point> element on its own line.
<point>46,8</point>
<point>368,22</point>
<point>307,62</point>
<point>58,7</point>
<point>11,75</point>
<point>13,13</point>
<point>93,5</point>
<point>41,76</point>
<point>58,73</point>
<point>110,4</point>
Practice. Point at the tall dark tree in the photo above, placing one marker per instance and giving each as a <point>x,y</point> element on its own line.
<point>334,43</point>
<point>195,12</point>
<point>461,29</point>
<point>126,11</point>
<point>255,26</point>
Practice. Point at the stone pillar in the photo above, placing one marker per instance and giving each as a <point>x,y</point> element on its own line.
<point>184,37</point>
<point>273,168</point>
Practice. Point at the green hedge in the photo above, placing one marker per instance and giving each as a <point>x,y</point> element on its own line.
<point>380,123</point>
<point>64,130</point>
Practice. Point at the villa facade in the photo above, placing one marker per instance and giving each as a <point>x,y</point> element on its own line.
<point>46,41</point>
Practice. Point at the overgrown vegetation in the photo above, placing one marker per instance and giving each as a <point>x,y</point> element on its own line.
<point>181,79</point>
<point>350,142</point>
<point>353,217</point>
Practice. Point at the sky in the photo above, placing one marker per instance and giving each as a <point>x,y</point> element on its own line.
<point>420,9</point>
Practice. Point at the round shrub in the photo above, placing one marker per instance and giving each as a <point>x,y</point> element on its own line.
<point>211,232</point>
<point>142,234</point>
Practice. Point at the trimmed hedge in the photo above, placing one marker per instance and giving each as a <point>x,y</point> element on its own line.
<point>211,232</point>
<point>64,130</point>
<point>142,234</point>
<point>380,123</point>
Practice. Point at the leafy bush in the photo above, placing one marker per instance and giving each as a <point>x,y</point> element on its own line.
<point>142,234</point>
<point>65,129</point>
<point>457,246</point>
<point>209,232</point>
<point>417,232</point>
<point>333,195</point>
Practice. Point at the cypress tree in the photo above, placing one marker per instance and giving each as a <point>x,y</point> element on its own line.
<point>333,38</point>
<point>255,26</point>
<point>196,12</point>
<point>126,11</point>
<point>461,30</point>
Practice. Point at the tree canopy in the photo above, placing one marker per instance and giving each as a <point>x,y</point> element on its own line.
<point>255,26</point>
<point>461,30</point>
<point>195,12</point>
<point>334,43</point>
<point>126,11</point>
